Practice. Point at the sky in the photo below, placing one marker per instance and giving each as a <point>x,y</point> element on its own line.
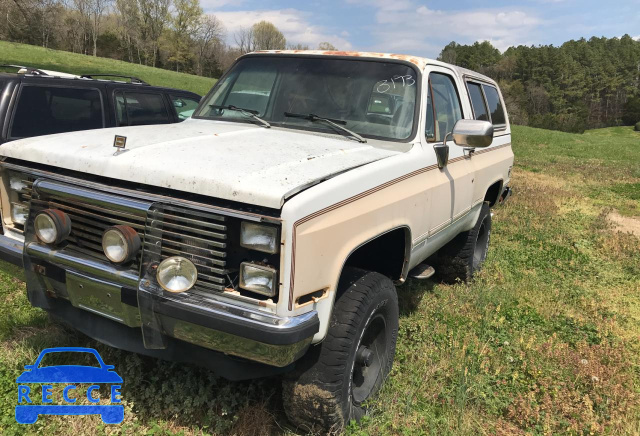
<point>423,28</point>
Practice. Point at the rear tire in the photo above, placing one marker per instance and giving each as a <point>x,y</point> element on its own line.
<point>332,383</point>
<point>461,258</point>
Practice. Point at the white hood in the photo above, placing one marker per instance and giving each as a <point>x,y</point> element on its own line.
<point>233,161</point>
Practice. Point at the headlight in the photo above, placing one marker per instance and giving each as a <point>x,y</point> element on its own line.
<point>52,226</point>
<point>120,243</point>
<point>258,278</point>
<point>19,213</point>
<point>259,237</point>
<point>177,274</point>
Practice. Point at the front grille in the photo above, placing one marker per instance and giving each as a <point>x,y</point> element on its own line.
<point>198,236</point>
<point>89,222</point>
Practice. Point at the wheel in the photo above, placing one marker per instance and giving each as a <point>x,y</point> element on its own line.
<point>333,381</point>
<point>464,255</point>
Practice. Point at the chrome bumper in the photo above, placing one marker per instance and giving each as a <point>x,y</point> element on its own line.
<point>105,290</point>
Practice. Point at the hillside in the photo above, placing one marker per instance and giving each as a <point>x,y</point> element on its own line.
<point>546,340</point>
<point>38,57</point>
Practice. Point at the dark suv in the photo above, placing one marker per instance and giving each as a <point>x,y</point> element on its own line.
<point>38,102</point>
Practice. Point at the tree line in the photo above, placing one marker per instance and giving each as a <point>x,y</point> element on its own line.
<point>170,34</point>
<point>583,84</point>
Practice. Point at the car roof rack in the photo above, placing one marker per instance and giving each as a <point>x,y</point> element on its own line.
<point>27,70</point>
<point>133,79</point>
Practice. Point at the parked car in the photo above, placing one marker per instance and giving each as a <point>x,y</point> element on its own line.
<point>37,102</point>
<point>267,234</point>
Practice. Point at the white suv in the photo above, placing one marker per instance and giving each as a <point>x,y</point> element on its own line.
<point>267,233</point>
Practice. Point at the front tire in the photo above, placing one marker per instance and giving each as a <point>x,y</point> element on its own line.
<point>333,382</point>
<point>461,258</point>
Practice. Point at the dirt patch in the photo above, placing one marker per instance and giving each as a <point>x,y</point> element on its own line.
<point>624,223</point>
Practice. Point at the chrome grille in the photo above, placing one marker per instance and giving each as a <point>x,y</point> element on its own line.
<point>198,236</point>
<point>89,223</point>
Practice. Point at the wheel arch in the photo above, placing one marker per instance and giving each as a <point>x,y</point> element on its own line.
<point>493,192</point>
<point>390,236</point>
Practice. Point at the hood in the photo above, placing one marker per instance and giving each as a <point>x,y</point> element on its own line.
<point>233,161</point>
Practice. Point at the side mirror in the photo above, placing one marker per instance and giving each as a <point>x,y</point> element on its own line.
<point>473,133</point>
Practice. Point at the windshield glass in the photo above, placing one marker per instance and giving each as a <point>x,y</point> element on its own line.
<point>371,98</point>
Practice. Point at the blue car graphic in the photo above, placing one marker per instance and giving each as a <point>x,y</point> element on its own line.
<point>69,374</point>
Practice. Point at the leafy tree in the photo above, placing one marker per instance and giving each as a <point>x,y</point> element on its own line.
<point>326,46</point>
<point>266,36</point>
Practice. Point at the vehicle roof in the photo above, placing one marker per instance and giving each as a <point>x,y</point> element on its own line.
<point>77,80</point>
<point>420,62</point>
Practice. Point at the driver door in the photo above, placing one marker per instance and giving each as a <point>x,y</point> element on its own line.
<point>453,184</point>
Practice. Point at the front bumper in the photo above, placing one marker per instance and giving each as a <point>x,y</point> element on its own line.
<point>102,290</point>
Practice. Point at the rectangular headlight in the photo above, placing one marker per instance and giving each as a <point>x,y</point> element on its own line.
<point>259,237</point>
<point>258,278</point>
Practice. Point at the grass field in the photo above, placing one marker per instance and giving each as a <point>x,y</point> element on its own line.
<point>546,340</point>
<point>38,57</point>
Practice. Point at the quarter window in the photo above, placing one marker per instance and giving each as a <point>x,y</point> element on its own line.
<point>140,108</point>
<point>495,105</point>
<point>477,102</point>
<point>443,107</point>
<point>44,110</point>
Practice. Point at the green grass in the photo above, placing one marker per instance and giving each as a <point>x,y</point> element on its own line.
<point>38,57</point>
<point>546,340</point>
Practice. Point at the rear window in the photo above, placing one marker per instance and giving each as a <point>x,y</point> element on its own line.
<point>477,102</point>
<point>44,110</point>
<point>495,105</point>
<point>140,108</point>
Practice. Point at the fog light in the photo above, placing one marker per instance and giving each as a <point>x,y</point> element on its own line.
<point>176,274</point>
<point>52,226</point>
<point>257,278</point>
<point>120,243</point>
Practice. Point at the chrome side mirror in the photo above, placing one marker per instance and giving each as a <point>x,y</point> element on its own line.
<point>473,133</point>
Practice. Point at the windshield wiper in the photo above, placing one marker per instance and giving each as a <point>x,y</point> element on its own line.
<point>248,112</point>
<point>338,124</point>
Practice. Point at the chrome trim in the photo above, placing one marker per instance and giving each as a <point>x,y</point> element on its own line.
<point>11,250</point>
<point>142,196</point>
<point>85,264</point>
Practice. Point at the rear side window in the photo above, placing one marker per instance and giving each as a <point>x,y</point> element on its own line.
<point>184,106</point>
<point>44,110</point>
<point>477,102</point>
<point>495,105</point>
<point>140,108</point>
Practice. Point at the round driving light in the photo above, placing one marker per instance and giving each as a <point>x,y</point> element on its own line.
<point>52,226</point>
<point>177,274</point>
<point>120,243</point>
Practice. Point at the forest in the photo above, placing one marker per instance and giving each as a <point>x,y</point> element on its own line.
<point>583,84</point>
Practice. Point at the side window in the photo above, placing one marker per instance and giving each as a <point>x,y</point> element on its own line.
<point>140,108</point>
<point>184,106</point>
<point>44,110</point>
<point>443,107</point>
<point>477,102</point>
<point>495,105</point>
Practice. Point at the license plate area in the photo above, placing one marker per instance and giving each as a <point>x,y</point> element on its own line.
<point>97,296</point>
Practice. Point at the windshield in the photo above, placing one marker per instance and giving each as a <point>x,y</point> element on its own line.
<point>374,99</point>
